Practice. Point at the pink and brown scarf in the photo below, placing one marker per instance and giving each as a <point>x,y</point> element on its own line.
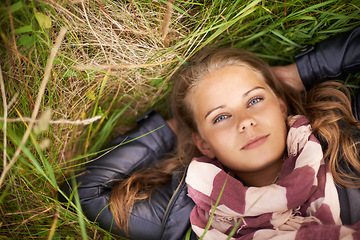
<point>302,204</point>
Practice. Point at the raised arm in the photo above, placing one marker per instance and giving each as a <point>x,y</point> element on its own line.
<point>330,59</point>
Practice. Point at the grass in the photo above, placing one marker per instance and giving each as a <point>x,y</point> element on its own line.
<point>113,64</point>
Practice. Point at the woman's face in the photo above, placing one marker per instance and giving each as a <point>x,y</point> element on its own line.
<point>240,120</point>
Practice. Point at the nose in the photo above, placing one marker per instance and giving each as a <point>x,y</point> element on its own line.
<point>246,123</point>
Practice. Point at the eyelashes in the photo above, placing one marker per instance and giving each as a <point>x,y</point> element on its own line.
<point>252,101</point>
<point>220,118</point>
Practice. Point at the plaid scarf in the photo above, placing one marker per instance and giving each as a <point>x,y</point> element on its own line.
<point>302,204</point>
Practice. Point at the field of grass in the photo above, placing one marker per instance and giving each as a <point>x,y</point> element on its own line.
<point>75,73</point>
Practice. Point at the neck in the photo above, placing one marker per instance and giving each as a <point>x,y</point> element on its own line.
<point>261,177</point>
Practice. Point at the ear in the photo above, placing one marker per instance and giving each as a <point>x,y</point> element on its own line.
<point>283,108</point>
<point>202,145</point>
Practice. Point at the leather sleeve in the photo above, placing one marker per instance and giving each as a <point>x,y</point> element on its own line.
<point>141,147</point>
<point>332,59</point>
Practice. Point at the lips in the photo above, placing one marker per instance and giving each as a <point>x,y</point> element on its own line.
<point>255,142</point>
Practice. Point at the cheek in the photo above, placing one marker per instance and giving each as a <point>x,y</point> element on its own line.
<point>219,139</point>
<point>277,122</point>
<point>279,110</point>
<point>283,133</point>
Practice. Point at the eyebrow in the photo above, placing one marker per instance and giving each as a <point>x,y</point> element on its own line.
<point>244,95</point>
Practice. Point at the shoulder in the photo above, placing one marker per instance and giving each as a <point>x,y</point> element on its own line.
<point>166,215</point>
<point>349,199</point>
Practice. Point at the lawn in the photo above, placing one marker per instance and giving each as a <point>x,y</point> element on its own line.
<point>75,73</point>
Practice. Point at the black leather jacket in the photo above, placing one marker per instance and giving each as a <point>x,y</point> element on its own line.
<point>166,214</point>
<point>331,59</point>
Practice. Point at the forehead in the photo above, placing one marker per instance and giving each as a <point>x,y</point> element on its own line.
<point>224,85</point>
<point>230,78</point>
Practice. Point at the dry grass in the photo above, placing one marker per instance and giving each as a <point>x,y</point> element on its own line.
<point>115,57</point>
<point>120,52</point>
<point>115,62</point>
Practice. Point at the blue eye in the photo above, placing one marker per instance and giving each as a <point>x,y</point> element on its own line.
<point>220,118</point>
<point>255,100</point>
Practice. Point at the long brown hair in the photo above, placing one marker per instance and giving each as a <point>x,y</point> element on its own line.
<point>326,106</point>
<point>328,109</point>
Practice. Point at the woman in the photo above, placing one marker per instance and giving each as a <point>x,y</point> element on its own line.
<point>166,215</point>
<point>269,182</point>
